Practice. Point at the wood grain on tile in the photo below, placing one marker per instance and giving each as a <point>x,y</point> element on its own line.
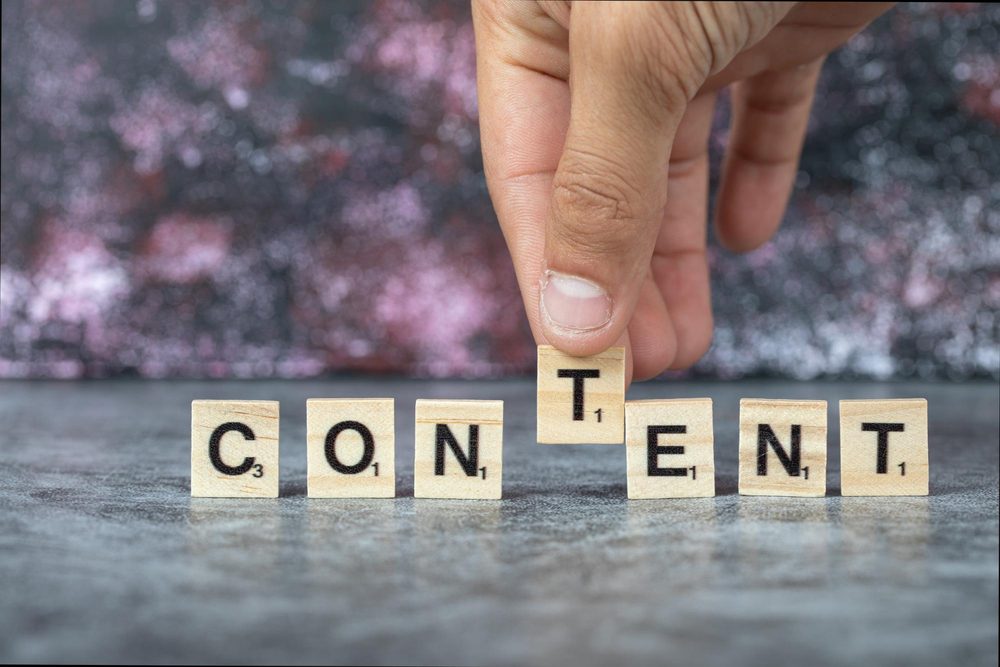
<point>670,448</point>
<point>234,449</point>
<point>458,449</point>
<point>351,447</point>
<point>883,447</point>
<point>782,447</point>
<point>581,400</point>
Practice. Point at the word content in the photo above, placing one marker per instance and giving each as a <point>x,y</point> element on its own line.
<point>669,443</point>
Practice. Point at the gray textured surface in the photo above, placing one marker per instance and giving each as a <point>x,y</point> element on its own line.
<point>104,557</point>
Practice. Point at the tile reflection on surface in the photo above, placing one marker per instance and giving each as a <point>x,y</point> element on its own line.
<point>781,541</point>
<point>879,534</point>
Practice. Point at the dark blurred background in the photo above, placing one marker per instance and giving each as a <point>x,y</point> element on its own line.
<point>251,189</point>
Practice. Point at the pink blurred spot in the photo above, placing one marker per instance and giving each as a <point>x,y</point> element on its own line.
<point>185,249</point>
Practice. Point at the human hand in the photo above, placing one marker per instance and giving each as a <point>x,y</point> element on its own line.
<point>595,122</point>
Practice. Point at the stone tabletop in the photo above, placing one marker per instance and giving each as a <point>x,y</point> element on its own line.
<point>105,557</point>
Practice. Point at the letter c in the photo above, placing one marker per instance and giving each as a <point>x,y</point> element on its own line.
<point>214,448</point>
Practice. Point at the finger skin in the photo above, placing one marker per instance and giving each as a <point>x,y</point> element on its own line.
<point>672,323</point>
<point>769,119</point>
<point>651,333</point>
<point>807,33</point>
<point>679,264</point>
<point>523,117</point>
<point>609,188</point>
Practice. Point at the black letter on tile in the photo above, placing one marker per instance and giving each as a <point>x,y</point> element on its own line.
<point>654,449</point>
<point>792,463</point>
<point>578,377</point>
<point>883,430</point>
<point>331,447</point>
<point>214,448</point>
<point>443,436</point>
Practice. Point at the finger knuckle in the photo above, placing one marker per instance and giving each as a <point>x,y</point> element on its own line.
<point>598,207</point>
<point>593,198</point>
<point>598,210</point>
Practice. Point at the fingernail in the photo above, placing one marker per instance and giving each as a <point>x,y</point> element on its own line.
<point>573,303</point>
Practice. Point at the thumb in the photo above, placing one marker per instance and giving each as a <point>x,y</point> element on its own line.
<point>610,186</point>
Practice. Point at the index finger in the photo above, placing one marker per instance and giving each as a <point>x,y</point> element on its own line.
<point>523,117</point>
<point>524,104</point>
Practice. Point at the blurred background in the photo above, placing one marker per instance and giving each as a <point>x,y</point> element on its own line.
<point>251,189</point>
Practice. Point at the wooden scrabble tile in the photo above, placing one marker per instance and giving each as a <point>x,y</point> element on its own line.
<point>581,400</point>
<point>234,449</point>
<point>782,448</point>
<point>670,448</point>
<point>351,447</point>
<point>883,447</point>
<point>458,449</point>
